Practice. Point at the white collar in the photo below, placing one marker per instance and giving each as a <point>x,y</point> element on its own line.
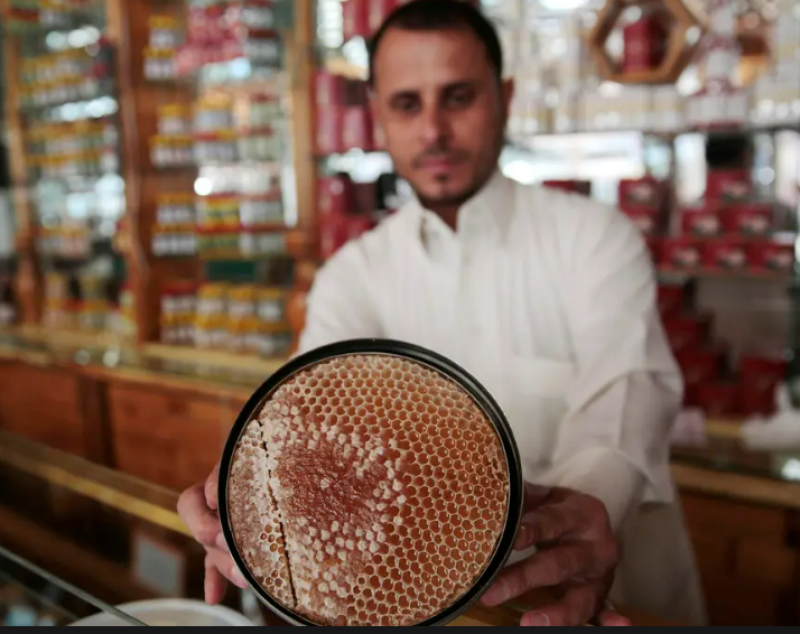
<point>488,213</point>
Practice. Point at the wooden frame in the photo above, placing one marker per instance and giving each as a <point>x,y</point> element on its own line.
<point>679,52</point>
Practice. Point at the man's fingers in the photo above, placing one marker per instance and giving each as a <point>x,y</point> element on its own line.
<point>215,584</point>
<point>534,496</point>
<point>198,518</point>
<point>212,487</point>
<point>545,524</point>
<point>224,564</point>
<point>576,607</point>
<point>609,617</point>
<point>545,569</point>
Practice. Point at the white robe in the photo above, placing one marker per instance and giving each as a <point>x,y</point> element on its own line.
<point>549,300</point>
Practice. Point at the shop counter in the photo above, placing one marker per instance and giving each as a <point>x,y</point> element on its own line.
<point>148,417</point>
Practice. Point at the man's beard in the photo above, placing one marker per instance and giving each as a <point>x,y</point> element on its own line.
<point>448,199</point>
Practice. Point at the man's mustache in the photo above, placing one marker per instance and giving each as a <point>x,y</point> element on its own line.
<point>439,154</point>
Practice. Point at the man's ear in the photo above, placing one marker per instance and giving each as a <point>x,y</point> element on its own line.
<point>507,94</point>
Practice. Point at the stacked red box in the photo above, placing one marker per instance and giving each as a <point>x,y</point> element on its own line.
<point>687,332</point>
<point>729,254</point>
<point>719,399</point>
<point>750,220</point>
<point>358,129</point>
<point>681,253</point>
<point>335,196</point>
<point>771,256</point>
<point>329,138</point>
<point>760,377</point>
<point>726,186</point>
<point>671,300</point>
<point>355,19</point>
<point>336,231</point>
<point>701,222</point>
<point>573,186</point>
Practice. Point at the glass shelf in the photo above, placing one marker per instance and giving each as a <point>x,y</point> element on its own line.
<point>33,597</point>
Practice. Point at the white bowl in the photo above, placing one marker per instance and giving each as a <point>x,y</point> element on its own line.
<point>170,613</point>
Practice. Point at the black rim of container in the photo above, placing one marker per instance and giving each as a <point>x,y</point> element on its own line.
<point>425,357</point>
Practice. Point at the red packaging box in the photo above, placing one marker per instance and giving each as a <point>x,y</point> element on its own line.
<point>329,130</point>
<point>576,187</point>
<point>699,365</point>
<point>365,198</point>
<point>379,10</point>
<point>641,192</point>
<point>771,256</point>
<point>333,235</point>
<point>330,90</point>
<point>648,221</point>
<point>645,44</point>
<point>355,19</point>
<point>681,253</point>
<point>686,333</point>
<point>760,377</point>
<point>336,231</point>
<point>357,129</point>
<point>670,301</point>
<point>718,400</point>
<point>654,247</point>
<point>728,185</point>
<point>336,196</point>
<point>725,254</point>
<point>748,221</point>
<point>359,225</point>
<point>701,222</point>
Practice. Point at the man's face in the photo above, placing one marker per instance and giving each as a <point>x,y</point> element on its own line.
<point>442,110</point>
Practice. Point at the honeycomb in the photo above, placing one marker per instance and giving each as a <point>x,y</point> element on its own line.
<point>371,490</point>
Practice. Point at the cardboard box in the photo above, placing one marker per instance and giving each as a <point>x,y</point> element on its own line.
<point>335,196</point>
<point>725,186</point>
<point>685,333</point>
<point>771,256</point>
<point>725,254</point>
<point>642,192</point>
<point>681,253</point>
<point>718,399</point>
<point>748,221</point>
<point>701,222</point>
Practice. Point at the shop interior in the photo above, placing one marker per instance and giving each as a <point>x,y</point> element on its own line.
<point>174,172</point>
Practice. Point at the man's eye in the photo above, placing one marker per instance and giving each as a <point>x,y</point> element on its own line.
<point>406,106</point>
<point>459,99</point>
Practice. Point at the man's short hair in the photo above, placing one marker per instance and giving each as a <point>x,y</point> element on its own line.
<point>440,15</point>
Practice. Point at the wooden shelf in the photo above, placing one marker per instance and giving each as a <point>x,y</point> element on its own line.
<point>723,274</point>
<point>214,359</point>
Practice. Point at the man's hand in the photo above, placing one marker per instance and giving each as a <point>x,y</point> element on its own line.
<point>198,510</point>
<point>577,553</point>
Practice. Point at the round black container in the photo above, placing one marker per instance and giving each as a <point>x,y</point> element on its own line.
<point>435,362</point>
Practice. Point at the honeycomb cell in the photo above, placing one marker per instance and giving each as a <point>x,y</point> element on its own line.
<point>370,491</point>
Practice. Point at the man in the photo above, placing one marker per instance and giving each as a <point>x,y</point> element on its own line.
<point>546,298</point>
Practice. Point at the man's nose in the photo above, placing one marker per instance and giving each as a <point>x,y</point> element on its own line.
<point>433,126</point>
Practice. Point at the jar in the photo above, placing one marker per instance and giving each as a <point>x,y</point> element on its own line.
<point>645,42</point>
<point>212,299</point>
<point>271,305</point>
<point>174,119</point>
<point>242,302</point>
<point>163,32</point>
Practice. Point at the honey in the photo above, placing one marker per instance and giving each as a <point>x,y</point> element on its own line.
<point>371,490</point>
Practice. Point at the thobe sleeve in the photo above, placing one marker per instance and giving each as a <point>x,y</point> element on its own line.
<point>340,305</point>
<point>614,440</point>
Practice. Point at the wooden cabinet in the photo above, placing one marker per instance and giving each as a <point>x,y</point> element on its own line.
<point>167,437</point>
<point>47,405</point>
<point>749,558</point>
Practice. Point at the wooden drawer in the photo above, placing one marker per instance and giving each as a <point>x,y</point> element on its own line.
<point>167,437</point>
<point>43,405</point>
<point>723,519</point>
